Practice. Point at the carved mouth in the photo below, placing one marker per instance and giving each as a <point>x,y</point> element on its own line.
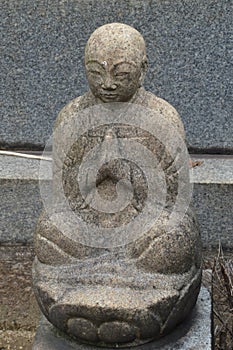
<point>110,96</point>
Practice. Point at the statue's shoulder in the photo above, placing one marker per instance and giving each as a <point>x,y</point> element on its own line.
<point>167,110</point>
<point>75,105</point>
<point>68,110</point>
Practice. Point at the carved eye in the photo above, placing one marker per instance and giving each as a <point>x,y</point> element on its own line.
<point>122,74</point>
<point>95,72</point>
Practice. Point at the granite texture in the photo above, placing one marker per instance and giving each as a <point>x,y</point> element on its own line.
<point>214,208</point>
<point>213,200</point>
<point>212,170</point>
<point>21,202</point>
<point>189,50</point>
<point>18,168</point>
<point>193,333</point>
<point>20,206</point>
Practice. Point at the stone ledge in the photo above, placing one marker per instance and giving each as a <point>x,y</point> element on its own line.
<point>213,170</point>
<point>17,168</point>
<point>21,204</point>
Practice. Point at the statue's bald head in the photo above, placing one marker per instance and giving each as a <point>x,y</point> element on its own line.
<point>116,40</point>
<point>115,60</point>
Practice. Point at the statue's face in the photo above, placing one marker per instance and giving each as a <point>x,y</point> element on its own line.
<point>113,80</point>
<point>115,59</point>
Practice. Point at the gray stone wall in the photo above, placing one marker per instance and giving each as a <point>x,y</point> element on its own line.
<point>189,49</point>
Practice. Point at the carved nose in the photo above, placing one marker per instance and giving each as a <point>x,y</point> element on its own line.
<point>109,84</point>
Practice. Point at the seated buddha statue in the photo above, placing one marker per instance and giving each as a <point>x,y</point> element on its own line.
<point>105,286</point>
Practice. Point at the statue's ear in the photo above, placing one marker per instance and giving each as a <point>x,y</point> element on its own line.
<point>144,67</point>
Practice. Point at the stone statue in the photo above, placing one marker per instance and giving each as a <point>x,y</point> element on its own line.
<point>140,288</point>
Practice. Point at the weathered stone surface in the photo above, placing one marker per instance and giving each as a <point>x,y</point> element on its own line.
<point>193,333</point>
<point>125,270</point>
<point>189,50</point>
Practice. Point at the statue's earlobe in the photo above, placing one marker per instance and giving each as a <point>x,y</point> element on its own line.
<point>144,67</point>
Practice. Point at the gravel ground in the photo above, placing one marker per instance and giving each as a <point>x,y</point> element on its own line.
<point>19,313</point>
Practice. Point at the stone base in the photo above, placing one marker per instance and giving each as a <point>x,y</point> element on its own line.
<point>194,333</point>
